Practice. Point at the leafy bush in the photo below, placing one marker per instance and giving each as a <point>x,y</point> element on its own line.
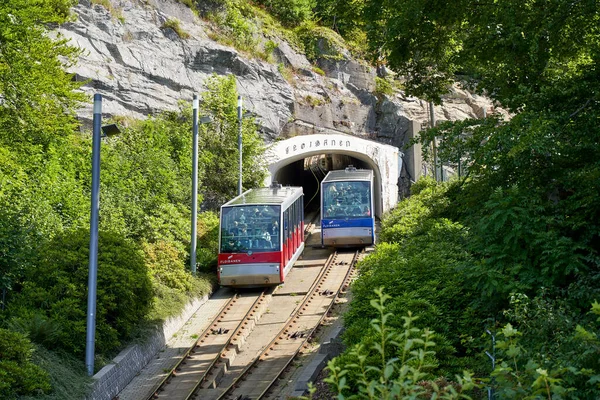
<point>236,26</point>
<point>18,375</point>
<point>290,12</point>
<point>58,288</point>
<point>422,275</point>
<point>166,266</point>
<point>383,86</point>
<point>320,42</point>
<point>397,364</point>
<point>545,351</point>
<point>208,241</point>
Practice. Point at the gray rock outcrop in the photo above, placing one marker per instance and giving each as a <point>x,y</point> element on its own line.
<point>141,68</point>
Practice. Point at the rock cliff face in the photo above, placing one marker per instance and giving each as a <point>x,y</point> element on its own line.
<point>141,68</point>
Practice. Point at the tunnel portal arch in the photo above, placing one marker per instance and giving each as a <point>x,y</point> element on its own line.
<point>384,160</point>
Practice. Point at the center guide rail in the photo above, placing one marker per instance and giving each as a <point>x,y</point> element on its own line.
<point>198,361</point>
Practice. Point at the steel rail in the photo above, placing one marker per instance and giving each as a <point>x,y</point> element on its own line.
<point>314,328</point>
<point>197,344</point>
<point>293,318</point>
<point>228,342</point>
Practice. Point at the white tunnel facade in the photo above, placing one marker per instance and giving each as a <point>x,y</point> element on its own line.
<point>384,160</point>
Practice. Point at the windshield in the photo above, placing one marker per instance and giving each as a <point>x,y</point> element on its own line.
<point>250,228</point>
<point>343,200</point>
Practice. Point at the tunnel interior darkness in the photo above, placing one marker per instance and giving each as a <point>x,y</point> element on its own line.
<point>310,171</point>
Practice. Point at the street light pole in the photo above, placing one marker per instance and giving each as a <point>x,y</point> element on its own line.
<point>239,110</point>
<point>194,184</point>
<point>93,262</point>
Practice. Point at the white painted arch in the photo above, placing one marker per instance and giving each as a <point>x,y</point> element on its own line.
<point>385,160</point>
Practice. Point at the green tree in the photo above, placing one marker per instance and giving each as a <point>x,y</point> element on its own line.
<point>341,16</point>
<point>38,97</point>
<point>515,51</point>
<point>219,150</point>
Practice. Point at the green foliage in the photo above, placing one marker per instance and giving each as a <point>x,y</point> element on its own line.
<point>149,169</point>
<point>236,26</point>
<point>383,86</point>
<point>545,351</point>
<point>38,97</point>
<point>524,374</point>
<point>402,363</point>
<point>174,24</point>
<point>165,264</point>
<point>208,241</point>
<point>67,374</point>
<point>290,13</point>
<point>57,287</point>
<point>514,51</point>
<point>346,18</point>
<point>18,375</point>
<point>341,16</point>
<point>219,153</point>
<point>419,260</point>
<point>320,42</point>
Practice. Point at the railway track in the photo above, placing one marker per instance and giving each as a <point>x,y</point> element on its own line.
<point>200,361</point>
<point>261,375</point>
<point>240,356</point>
<point>313,219</point>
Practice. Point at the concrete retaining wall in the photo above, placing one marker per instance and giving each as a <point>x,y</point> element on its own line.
<point>111,379</point>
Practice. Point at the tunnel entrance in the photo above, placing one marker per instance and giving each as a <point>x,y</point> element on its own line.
<point>305,160</point>
<point>310,171</point>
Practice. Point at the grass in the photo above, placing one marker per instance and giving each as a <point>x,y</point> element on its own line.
<point>313,101</point>
<point>287,73</point>
<point>115,12</point>
<point>67,375</point>
<point>174,24</point>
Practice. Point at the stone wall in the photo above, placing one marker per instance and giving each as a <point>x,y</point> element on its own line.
<point>111,379</point>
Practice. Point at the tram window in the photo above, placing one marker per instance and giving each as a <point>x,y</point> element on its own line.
<point>346,199</point>
<point>286,233</point>
<point>249,229</point>
<point>295,215</point>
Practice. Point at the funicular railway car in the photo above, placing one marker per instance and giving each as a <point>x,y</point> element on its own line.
<point>261,236</point>
<point>347,218</point>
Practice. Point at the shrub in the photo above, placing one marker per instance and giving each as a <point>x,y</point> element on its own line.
<point>397,364</point>
<point>383,86</point>
<point>58,289</point>
<point>208,241</point>
<point>320,42</point>
<point>290,12</point>
<point>174,24</point>
<point>18,375</point>
<point>166,266</point>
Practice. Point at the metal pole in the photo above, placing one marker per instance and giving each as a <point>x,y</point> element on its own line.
<point>95,209</point>
<point>435,162</point>
<point>194,184</point>
<point>239,109</point>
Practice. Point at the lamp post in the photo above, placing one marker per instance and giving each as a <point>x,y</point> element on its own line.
<point>239,110</point>
<point>93,263</point>
<point>203,120</point>
<point>97,131</point>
